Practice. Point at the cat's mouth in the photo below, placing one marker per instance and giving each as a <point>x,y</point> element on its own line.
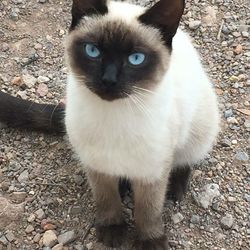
<point>109,93</point>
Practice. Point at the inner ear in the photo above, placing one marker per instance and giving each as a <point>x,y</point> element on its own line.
<point>165,15</point>
<point>81,8</point>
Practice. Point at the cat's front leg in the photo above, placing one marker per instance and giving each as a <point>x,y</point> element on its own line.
<point>110,225</point>
<point>149,201</point>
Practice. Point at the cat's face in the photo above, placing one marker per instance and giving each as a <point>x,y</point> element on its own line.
<point>115,58</point>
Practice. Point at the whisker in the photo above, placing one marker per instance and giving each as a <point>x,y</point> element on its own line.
<point>140,102</point>
<point>146,90</point>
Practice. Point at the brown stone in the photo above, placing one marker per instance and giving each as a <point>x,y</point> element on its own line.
<point>9,212</point>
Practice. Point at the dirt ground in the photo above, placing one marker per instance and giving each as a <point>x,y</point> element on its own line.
<point>43,190</point>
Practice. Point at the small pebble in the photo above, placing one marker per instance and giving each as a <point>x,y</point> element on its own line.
<point>193,25</point>
<point>241,156</point>
<point>10,236</point>
<point>29,229</point>
<point>66,237</point>
<point>49,238</point>
<point>177,218</point>
<point>195,219</point>
<point>40,214</point>
<point>227,221</point>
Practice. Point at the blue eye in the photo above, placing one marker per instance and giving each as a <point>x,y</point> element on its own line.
<point>92,51</point>
<point>136,58</point>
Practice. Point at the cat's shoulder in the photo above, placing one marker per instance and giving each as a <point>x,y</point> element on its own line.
<point>182,39</point>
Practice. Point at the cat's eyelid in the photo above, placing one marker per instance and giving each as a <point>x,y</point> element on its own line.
<point>91,43</point>
<point>138,49</point>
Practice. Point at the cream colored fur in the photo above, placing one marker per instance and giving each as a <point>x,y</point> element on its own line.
<point>179,123</point>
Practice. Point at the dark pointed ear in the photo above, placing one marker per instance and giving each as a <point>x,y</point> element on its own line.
<point>165,15</point>
<point>81,8</point>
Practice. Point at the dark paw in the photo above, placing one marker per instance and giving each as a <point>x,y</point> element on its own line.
<point>178,183</point>
<point>152,244</point>
<point>112,235</point>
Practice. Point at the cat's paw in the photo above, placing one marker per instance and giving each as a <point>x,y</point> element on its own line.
<point>178,183</point>
<point>111,235</point>
<point>152,244</point>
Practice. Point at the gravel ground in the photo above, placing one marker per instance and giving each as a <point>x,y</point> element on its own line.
<point>45,202</point>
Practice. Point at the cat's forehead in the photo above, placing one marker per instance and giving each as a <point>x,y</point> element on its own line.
<point>112,31</point>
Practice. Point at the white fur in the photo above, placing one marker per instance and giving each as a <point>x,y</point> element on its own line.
<point>179,125</point>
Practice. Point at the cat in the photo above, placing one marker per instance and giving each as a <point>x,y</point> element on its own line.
<point>139,107</point>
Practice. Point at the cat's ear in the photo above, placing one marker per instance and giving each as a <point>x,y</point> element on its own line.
<point>165,15</point>
<point>81,8</point>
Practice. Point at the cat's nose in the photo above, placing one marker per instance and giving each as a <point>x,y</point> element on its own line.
<point>109,77</point>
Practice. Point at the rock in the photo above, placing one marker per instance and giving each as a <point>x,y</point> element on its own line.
<point>40,214</point>
<point>232,120</point>
<point>58,247</point>
<point>17,81</point>
<point>210,17</point>
<point>197,173</point>
<point>43,79</point>
<point>231,199</point>
<point>228,113</point>
<point>29,229</point>
<point>38,46</point>
<point>238,49</point>
<point>177,218</point>
<point>89,246</point>
<point>241,156</point>
<point>234,78</point>
<point>42,89</point>
<point>47,225</point>
<point>78,180</point>
<point>9,212</point>
<point>247,197</point>
<point>247,123</point>
<point>22,94</point>
<point>66,237</point>
<point>226,143</point>
<point>220,236</point>
<point>14,14</point>
<point>29,81</point>
<point>234,142</point>
<point>37,238</point>
<point>42,1</point>
<point>5,47</point>
<point>227,221</point>
<point>49,238</point>
<point>47,248</point>
<point>10,236</point>
<point>31,218</point>
<point>3,240</point>
<point>195,219</point>
<point>193,25</point>
<point>209,192</point>
<point>18,197</point>
<point>23,177</point>
<point>245,34</point>
<point>236,34</point>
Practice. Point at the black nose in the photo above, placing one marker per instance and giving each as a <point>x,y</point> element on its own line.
<point>109,77</point>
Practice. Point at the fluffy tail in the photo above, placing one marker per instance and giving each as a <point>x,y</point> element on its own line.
<point>18,113</point>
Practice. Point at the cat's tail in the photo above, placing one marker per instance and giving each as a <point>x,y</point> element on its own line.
<point>18,113</point>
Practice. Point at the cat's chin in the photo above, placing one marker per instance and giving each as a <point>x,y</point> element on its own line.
<point>108,95</point>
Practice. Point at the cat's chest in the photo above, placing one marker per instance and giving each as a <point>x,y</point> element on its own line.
<point>122,143</point>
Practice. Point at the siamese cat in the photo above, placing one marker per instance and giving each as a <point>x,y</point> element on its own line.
<point>139,106</point>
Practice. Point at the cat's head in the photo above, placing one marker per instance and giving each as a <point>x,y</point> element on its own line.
<point>116,49</point>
